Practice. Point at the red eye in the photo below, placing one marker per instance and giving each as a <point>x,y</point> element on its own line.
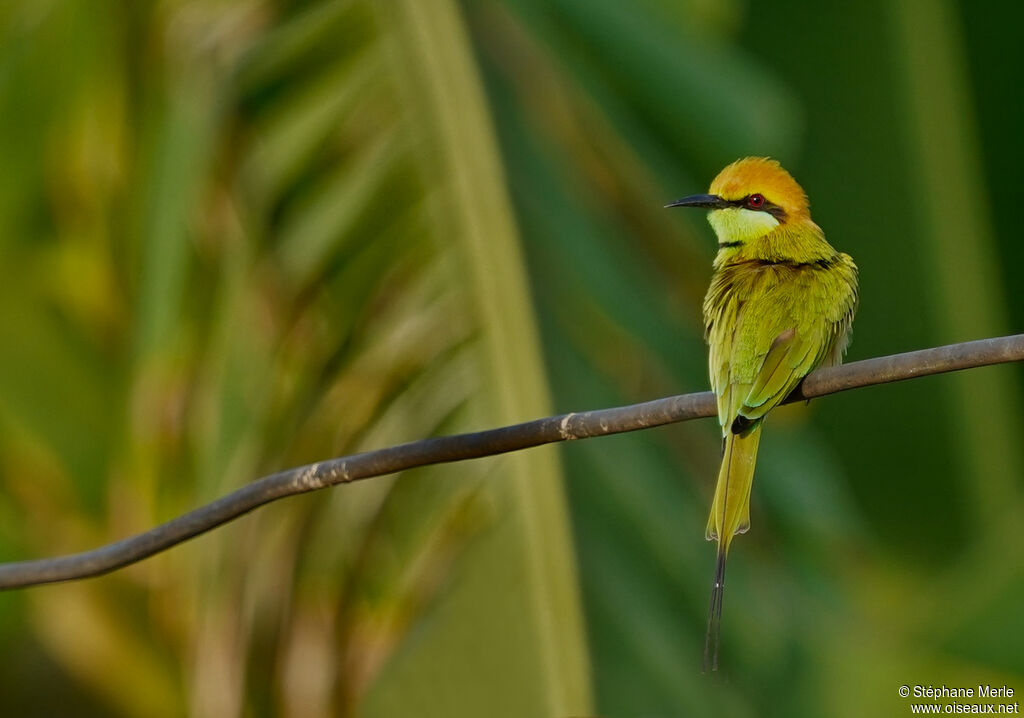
<point>755,201</point>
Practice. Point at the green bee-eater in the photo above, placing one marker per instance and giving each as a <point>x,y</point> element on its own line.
<point>780,303</point>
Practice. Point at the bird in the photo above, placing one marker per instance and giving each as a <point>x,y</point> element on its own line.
<point>780,303</point>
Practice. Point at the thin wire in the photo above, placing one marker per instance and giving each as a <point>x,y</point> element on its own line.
<point>564,427</point>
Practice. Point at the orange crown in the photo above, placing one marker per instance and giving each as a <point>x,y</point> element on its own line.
<point>765,176</point>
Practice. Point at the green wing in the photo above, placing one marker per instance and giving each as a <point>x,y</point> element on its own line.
<point>820,311</point>
<point>763,343</point>
<point>791,356</point>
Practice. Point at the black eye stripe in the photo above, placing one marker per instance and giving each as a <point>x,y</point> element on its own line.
<point>770,207</point>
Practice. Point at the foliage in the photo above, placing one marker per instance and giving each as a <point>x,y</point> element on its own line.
<point>268,238</point>
<point>869,506</point>
<point>236,236</point>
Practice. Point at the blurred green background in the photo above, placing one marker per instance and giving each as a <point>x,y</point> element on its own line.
<point>240,236</point>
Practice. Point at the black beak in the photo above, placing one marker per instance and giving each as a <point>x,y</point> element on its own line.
<point>708,201</point>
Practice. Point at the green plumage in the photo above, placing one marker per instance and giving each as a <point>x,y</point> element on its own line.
<point>770,319</point>
<point>781,303</point>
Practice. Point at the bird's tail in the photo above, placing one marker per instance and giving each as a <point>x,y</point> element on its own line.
<point>730,515</point>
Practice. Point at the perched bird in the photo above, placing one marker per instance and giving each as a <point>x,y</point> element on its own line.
<point>780,303</point>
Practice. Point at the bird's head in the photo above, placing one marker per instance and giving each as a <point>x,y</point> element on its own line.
<point>748,199</point>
